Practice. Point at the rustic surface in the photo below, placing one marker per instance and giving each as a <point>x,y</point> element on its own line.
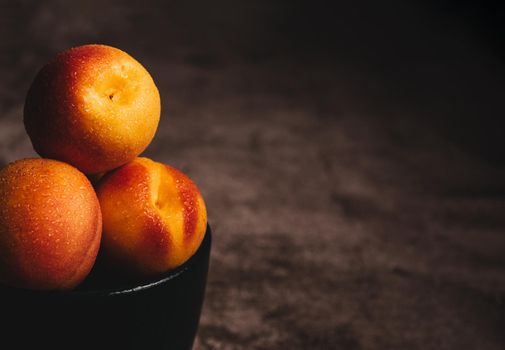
<point>350,157</point>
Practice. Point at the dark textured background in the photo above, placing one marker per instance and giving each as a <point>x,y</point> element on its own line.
<point>351,156</point>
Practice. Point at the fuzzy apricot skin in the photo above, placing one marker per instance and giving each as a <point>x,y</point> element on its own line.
<point>154,217</point>
<point>94,107</point>
<point>50,225</point>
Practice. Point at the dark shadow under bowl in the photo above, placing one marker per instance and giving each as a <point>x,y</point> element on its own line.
<point>157,314</point>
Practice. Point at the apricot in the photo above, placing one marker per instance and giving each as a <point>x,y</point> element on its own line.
<point>50,225</point>
<point>94,107</point>
<point>154,217</point>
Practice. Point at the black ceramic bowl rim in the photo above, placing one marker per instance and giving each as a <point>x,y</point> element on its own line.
<point>111,292</point>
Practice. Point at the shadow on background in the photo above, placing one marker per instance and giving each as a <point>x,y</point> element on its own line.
<point>439,64</point>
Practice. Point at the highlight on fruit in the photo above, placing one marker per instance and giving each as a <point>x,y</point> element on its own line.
<point>92,106</point>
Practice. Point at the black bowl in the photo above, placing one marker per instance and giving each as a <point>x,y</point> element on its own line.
<point>158,314</point>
